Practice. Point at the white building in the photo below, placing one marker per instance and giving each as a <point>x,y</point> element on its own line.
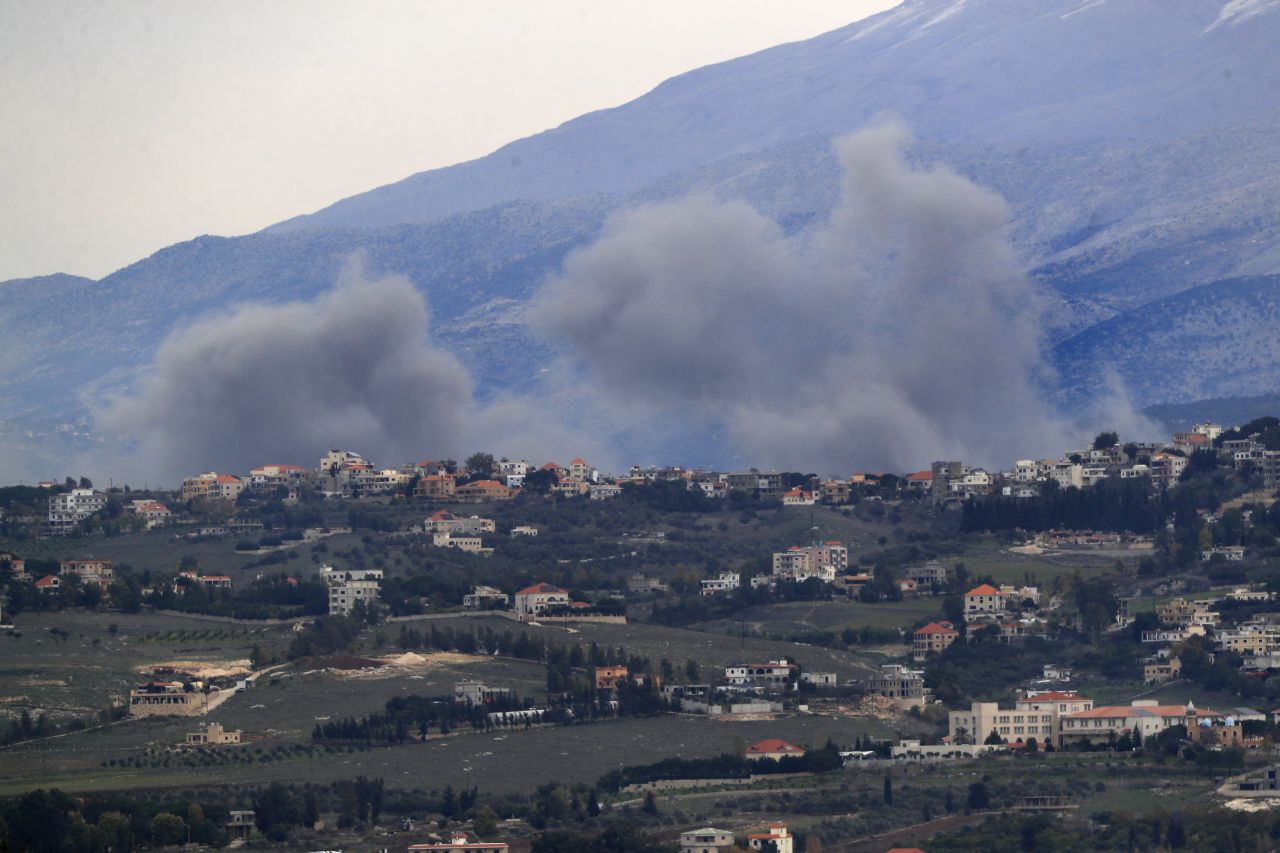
<point>469,543</point>
<point>533,601</point>
<point>604,491</point>
<point>779,674</point>
<point>347,586</point>
<point>777,836</point>
<point>152,512</point>
<point>983,601</point>
<point>723,582</point>
<point>444,521</point>
<point>485,597</point>
<point>68,509</point>
<point>706,840</point>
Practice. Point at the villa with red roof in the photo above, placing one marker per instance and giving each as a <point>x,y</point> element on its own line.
<point>16,565</point>
<point>579,470</point>
<point>49,582</point>
<point>932,639</point>
<point>773,748</point>
<point>798,497</point>
<point>435,487</point>
<point>984,601</point>
<point>533,601</point>
<point>480,491</point>
<point>212,486</point>
<point>153,512</point>
<point>921,481</point>
<point>777,836</point>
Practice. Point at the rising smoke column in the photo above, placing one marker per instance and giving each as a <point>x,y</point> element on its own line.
<point>354,368</point>
<point>901,332</point>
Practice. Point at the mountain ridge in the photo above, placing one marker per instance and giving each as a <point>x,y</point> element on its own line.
<point>1106,219</point>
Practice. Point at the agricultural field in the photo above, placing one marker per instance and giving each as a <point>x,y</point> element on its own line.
<point>159,551</point>
<point>71,664</point>
<point>712,650</point>
<point>798,617</point>
<point>989,556</point>
<point>577,753</point>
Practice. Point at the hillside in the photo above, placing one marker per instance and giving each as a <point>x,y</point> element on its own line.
<point>1215,340</point>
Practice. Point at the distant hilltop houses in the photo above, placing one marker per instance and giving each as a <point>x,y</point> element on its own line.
<point>338,474</point>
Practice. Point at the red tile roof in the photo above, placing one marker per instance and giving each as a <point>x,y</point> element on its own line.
<point>1108,711</point>
<point>937,628</point>
<point>543,589</point>
<point>919,477</point>
<point>771,745</point>
<point>984,589</point>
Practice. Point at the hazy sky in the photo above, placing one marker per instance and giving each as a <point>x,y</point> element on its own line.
<point>128,126</point>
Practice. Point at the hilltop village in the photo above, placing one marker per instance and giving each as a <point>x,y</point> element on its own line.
<point>677,659</point>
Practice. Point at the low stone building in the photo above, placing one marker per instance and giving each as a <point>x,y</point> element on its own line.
<point>214,735</point>
<point>166,699</point>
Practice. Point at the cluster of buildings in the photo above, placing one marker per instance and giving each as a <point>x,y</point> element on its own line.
<point>1162,462</point>
<point>99,573</point>
<point>1063,719</point>
<point>349,474</point>
<point>986,609</point>
<point>775,837</point>
<point>746,688</point>
<point>1256,639</point>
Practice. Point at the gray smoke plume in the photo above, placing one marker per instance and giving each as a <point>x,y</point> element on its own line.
<point>901,332</point>
<point>281,383</point>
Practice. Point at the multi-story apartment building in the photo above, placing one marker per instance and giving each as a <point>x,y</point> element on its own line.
<point>825,562</point>
<point>774,675</point>
<point>348,586</point>
<point>904,686</point>
<point>723,582</point>
<point>68,509</point>
<point>100,572</point>
<point>1034,715</point>
<point>932,639</point>
<point>212,486</point>
<point>983,602</point>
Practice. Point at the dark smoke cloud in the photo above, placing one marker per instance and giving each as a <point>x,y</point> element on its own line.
<point>282,383</point>
<point>901,332</point>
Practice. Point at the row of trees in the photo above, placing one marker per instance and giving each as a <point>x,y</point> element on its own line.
<point>724,766</point>
<point>1113,505</point>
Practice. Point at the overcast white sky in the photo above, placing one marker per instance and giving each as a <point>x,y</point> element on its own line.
<point>128,126</point>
